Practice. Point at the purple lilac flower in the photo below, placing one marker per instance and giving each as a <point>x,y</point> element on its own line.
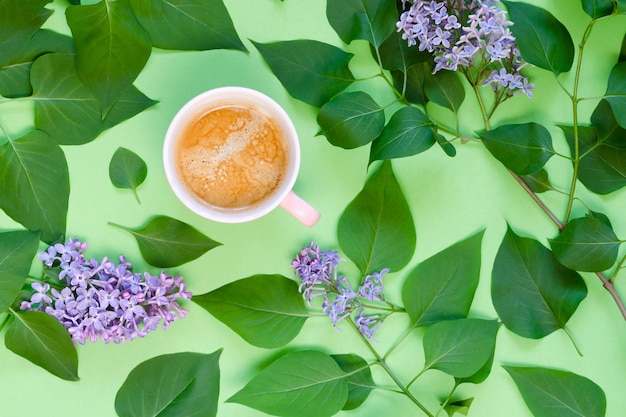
<point>104,300</point>
<point>463,34</point>
<point>368,324</point>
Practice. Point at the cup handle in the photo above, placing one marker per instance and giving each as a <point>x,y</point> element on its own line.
<point>300,209</point>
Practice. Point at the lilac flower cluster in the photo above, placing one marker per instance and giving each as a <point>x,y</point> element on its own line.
<point>319,277</point>
<point>467,33</point>
<point>102,299</point>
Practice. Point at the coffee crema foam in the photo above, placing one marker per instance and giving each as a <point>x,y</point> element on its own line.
<point>232,156</point>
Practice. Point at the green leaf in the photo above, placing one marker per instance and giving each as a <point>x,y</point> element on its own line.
<point>360,382</point>
<point>370,20</point>
<point>555,393</point>
<point>127,170</point>
<point>532,292</point>
<point>586,244</point>
<point>111,48</point>
<point>44,341</point>
<point>17,250</point>
<point>460,407</point>
<point>265,310</point>
<point>442,287</point>
<point>480,375</point>
<point>598,8</point>
<point>621,7</point>
<point>311,71</point>
<point>35,184</point>
<point>459,347</point>
<point>447,147</point>
<point>351,120</point>
<point>15,15</point>
<point>413,82</point>
<point>187,24</point>
<point>543,40</point>
<point>304,384</point>
<point>165,242</point>
<point>376,230</point>
<point>609,132</point>
<point>177,384</point>
<point>397,55</point>
<point>538,182</point>
<point>66,109</point>
<point>616,92</point>
<point>522,148</point>
<point>408,132</point>
<point>446,89</point>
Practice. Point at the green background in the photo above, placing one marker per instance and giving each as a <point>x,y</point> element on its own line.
<point>451,198</point>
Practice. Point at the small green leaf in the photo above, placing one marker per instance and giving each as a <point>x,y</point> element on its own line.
<point>376,230</point>
<point>610,133</point>
<point>127,170</point>
<point>532,292</point>
<point>311,71</point>
<point>446,89</point>
<point>360,382</point>
<point>586,244</point>
<point>187,24</point>
<point>447,146</point>
<point>460,407</point>
<point>408,132</point>
<point>616,92</point>
<point>442,287</point>
<point>459,347</point>
<point>370,20</point>
<point>555,393</point>
<point>17,250</point>
<point>351,120</point>
<point>111,48</point>
<point>538,182</point>
<point>35,184</point>
<point>165,242</point>
<point>522,148</point>
<point>598,8</point>
<point>44,341</point>
<point>265,310</point>
<point>303,384</point>
<point>177,384</point>
<point>413,82</point>
<point>542,39</point>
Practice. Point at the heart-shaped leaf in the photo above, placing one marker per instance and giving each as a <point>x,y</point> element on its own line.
<point>532,292</point>
<point>610,133</point>
<point>17,249</point>
<point>556,393</point>
<point>35,184</point>
<point>616,92</point>
<point>442,287</point>
<point>127,170</point>
<point>111,48</point>
<point>360,382</point>
<point>351,120</point>
<point>542,39</point>
<point>265,310</point>
<point>459,347</point>
<point>412,83</point>
<point>311,71</point>
<point>446,89</point>
<point>305,384</point>
<point>376,230</point>
<point>598,8</point>
<point>187,24</point>
<point>44,341</point>
<point>522,148</point>
<point>165,242</point>
<point>370,20</point>
<point>538,182</point>
<point>176,384</point>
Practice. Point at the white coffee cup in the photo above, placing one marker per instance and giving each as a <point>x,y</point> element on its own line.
<point>282,196</point>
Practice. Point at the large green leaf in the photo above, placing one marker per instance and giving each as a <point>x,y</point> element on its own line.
<point>616,92</point>
<point>442,287</point>
<point>522,148</point>
<point>532,292</point>
<point>542,39</point>
<point>598,8</point>
<point>44,341</point>
<point>586,244</point>
<point>187,24</point>
<point>15,15</point>
<point>407,133</point>
<point>304,384</point>
<point>177,384</point>
<point>376,230</point>
<point>111,48</point>
<point>351,119</point>
<point>370,20</point>
<point>17,250</point>
<point>127,170</point>
<point>35,184</point>
<point>265,310</point>
<point>66,109</point>
<point>459,347</point>
<point>167,242</point>
<point>310,70</point>
<point>446,89</point>
<point>556,393</point>
<point>360,382</point>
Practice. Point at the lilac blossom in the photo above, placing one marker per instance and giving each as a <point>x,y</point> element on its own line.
<point>467,35</point>
<point>103,300</point>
